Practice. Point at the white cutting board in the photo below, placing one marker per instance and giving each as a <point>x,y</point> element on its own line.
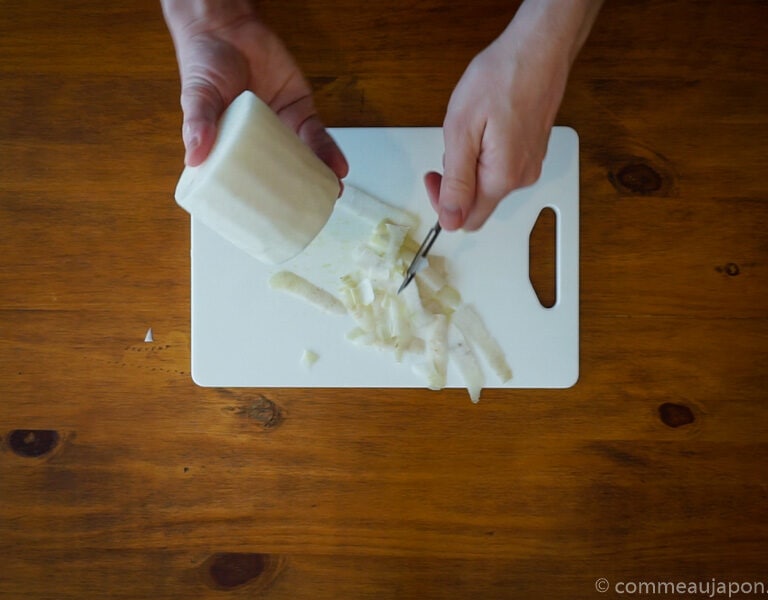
<point>246,335</point>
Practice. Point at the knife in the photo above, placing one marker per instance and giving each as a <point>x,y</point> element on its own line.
<point>420,256</point>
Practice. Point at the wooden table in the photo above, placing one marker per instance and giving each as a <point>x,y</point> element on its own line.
<point>120,478</point>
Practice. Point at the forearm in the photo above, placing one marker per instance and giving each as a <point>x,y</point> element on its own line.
<point>556,27</point>
<point>541,43</point>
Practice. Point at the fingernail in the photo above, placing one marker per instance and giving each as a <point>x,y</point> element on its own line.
<point>190,134</point>
<point>193,143</point>
<point>190,146</point>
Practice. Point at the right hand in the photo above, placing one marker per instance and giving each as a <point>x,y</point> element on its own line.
<point>223,50</point>
<point>496,130</point>
<point>500,115</point>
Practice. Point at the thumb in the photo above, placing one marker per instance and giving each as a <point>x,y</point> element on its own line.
<point>459,182</point>
<point>202,106</point>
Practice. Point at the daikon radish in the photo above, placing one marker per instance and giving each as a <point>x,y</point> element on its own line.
<point>261,187</point>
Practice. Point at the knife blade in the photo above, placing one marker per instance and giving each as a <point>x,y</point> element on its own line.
<point>417,261</point>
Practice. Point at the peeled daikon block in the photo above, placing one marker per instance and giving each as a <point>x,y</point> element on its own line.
<point>261,187</point>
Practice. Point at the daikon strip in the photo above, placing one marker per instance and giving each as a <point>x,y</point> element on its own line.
<point>449,297</point>
<point>287,281</point>
<point>434,368</point>
<point>473,328</point>
<point>395,237</point>
<point>399,347</point>
<point>364,318</point>
<point>375,266</point>
<point>373,210</point>
<point>398,323</point>
<point>432,305</point>
<point>432,278</point>
<point>462,355</point>
<point>415,307</point>
<point>365,292</point>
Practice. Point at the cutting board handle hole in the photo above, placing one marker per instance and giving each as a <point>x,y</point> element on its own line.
<point>542,257</point>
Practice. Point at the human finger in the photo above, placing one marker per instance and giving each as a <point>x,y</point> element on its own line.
<point>432,183</point>
<point>459,181</point>
<point>316,136</point>
<point>202,106</point>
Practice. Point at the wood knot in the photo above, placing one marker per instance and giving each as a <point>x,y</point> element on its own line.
<point>731,269</point>
<point>32,443</point>
<point>231,570</point>
<point>262,410</point>
<point>638,178</point>
<point>675,415</point>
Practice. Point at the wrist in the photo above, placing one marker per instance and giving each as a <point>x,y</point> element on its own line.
<point>556,29</point>
<point>190,15</point>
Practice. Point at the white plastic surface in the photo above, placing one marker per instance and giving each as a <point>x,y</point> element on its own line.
<point>246,335</point>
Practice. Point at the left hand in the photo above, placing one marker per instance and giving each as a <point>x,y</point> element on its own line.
<point>223,48</point>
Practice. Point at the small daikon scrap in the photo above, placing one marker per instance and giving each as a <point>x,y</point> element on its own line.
<point>309,358</point>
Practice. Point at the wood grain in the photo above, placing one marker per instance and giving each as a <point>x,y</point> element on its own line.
<point>652,468</point>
